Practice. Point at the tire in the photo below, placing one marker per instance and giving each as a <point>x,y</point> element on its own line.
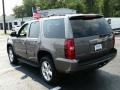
<point>11,55</point>
<point>48,71</point>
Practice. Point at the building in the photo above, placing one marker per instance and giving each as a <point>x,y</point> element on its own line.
<point>12,22</point>
<point>57,12</point>
<point>114,22</point>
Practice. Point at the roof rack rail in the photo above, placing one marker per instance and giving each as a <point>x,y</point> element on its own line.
<point>54,15</point>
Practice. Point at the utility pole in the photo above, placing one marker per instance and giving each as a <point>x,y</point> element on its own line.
<point>4,23</point>
<point>22,14</point>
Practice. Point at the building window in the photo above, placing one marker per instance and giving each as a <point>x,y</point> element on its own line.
<point>15,23</point>
<point>1,26</point>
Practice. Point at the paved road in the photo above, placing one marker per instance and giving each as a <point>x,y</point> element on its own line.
<point>25,77</point>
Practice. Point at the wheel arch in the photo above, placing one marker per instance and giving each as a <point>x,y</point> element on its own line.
<point>42,53</point>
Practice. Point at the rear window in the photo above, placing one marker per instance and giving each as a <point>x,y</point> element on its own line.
<point>89,27</point>
<point>54,28</point>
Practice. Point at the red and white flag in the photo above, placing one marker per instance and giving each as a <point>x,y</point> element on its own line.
<point>36,12</point>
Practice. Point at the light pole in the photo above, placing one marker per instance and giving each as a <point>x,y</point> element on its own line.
<point>22,14</point>
<point>4,23</point>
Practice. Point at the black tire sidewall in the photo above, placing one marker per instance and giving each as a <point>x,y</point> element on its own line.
<point>15,61</point>
<point>54,72</point>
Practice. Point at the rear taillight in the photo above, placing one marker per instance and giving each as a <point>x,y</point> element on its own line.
<point>113,39</point>
<point>69,49</point>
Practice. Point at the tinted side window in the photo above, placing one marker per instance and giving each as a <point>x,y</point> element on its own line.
<point>34,30</point>
<point>54,28</point>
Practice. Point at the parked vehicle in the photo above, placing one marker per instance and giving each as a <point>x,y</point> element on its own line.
<point>115,24</point>
<point>16,28</point>
<point>63,44</point>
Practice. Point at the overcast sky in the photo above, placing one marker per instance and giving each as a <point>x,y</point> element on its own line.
<point>9,5</point>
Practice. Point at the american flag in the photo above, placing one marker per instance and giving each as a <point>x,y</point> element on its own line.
<point>36,13</point>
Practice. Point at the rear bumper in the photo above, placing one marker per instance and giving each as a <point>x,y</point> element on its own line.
<point>67,66</point>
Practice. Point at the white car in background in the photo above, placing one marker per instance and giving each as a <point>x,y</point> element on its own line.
<point>16,28</point>
<point>115,24</point>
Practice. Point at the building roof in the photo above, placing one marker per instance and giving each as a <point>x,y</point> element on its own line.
<point>58,9</point>
<point>7,18</point>
<point>44,13</point>
<point>70,15</point>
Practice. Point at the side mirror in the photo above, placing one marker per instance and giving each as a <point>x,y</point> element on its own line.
<point>13,34</point>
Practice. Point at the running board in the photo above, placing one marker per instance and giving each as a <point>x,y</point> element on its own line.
<point>28,62</point>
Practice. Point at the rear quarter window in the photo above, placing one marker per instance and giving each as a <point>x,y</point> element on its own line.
<point>54,28</point>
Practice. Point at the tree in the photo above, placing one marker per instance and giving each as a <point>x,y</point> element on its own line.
<point>89,5</point>
<point>109,8</point>
<point>98,6</point>
<point>116,8</point>
<point>105,7</point>
<point>28,6</point>
<point>25,9</point>
<point>94,6</point>
<point>78,5</point>
<point>19,11</point>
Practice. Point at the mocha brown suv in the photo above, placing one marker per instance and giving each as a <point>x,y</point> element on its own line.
<point>63,44</point>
